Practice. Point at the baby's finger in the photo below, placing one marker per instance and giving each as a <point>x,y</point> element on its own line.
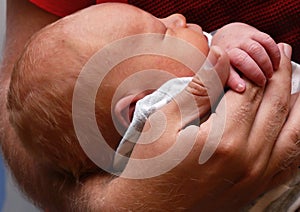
<point>189,105</point>
<point>235,82</point>
<point>204,89</point>
<point>270,46</point>
<point>244,63</point>
<point>259,54</point>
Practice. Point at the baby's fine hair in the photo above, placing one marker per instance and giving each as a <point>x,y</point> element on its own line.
<point>40,101</point>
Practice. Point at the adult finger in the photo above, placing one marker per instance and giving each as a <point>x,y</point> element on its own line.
<point>234,111</point>
<point>226,131</point>
<point>163,128</point>
<point>273,109</point>
<point>286,151</point>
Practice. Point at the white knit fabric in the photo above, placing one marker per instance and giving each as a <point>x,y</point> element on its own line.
<point>143,109</point>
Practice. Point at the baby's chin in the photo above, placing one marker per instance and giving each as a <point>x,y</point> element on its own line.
<point>205,49</point>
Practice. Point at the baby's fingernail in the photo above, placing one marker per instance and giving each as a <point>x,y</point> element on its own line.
<point>270,75</point>
<point>287,50</point>
<point>240,87</point>
<point>264,82</point>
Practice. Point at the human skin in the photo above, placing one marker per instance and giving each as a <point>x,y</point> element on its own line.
<point>93,190</point>
<point>248,53</point>
<point>60,52</point>
<point>248,152</point>
<point>26,18</point>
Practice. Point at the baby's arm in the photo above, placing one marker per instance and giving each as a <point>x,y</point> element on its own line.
<point>251,52</point>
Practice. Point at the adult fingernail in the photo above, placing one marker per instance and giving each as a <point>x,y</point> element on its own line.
<point>287,50</point>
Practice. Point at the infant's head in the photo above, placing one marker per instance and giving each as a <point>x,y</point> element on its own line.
<point>42,84</point>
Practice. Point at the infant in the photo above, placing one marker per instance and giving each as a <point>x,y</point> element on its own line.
<point>43,80</point>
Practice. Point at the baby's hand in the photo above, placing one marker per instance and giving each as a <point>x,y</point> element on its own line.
<point>252,52</point>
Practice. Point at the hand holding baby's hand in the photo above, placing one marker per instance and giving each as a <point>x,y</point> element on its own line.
<point>253,53</point>
<point>205,167</point>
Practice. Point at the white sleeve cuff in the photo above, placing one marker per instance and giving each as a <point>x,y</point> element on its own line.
<point>295,78</point>
<point>209,37</point>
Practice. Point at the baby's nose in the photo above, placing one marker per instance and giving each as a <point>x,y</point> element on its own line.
<point>175,20</point>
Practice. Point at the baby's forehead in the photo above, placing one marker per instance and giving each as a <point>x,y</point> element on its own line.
<point>81,35</point>
<point>112,20</point>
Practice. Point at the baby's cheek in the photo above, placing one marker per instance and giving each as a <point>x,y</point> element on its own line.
<point>196,39</point>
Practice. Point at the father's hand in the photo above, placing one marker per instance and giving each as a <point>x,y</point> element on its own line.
<point>248,146</point>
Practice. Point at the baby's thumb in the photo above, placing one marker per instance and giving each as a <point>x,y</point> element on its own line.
<point>206,87</point>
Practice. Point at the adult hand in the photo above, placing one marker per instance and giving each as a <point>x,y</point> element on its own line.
<point>257,151</point>
<point>251,51</point>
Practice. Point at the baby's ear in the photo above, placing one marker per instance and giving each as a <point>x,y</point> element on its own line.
<point>125,107</point>
<point>122,110</point>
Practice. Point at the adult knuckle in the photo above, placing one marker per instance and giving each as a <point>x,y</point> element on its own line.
<point>293,134</point>
<point>233,154</point>
<point>228,148</point>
